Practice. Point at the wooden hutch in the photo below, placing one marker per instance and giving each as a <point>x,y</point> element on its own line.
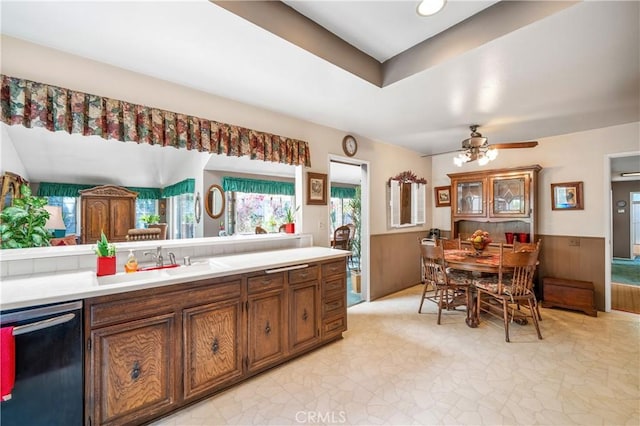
<point>497,201</point>
<point>107,208</point>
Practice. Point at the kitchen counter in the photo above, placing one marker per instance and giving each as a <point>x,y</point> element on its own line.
<point>37,289</point>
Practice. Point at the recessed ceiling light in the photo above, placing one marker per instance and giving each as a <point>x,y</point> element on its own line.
<point>430,7</point>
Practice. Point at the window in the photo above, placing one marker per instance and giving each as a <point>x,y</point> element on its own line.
<point>182,214</point>
<point>69,212</point>
<point>144,207</point>
<point>341,212</point>
<point>265,210</point>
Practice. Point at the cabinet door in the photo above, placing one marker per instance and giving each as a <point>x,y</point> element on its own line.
<point>132,368</point>
<point>469,198</point>
<point>95,219</point>
<point>122,218</point>
<point>266,329</point>
<point>212,354</point>
<point>303,319</point>
<point>509,196</point>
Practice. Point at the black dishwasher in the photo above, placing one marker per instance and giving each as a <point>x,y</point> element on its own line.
<point>48,366</point>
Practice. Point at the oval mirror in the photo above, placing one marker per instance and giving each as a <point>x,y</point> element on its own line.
<point>214,201</point>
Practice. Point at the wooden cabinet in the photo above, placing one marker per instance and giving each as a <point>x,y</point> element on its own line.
<point>498,201</point>
<point>133,369</point>
<point>303,308</point>
<point>107,208</point>
<point>334,299</point>
<point>266,320</point>
<point>212,350</point>
<point>150,352</point>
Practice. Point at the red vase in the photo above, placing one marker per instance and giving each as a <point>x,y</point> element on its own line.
<point>523,237</point>
<point>509,237</point>
<point>106,265</point>
<point>290,228</point>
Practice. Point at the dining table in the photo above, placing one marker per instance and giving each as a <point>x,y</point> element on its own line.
<point>484,262</point>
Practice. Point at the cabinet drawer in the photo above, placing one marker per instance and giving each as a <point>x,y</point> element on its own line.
<point>266,282</point>
<point>334,326</point>
<point>302,275</point>
<point>334,268</point>
<point>336,285</point>
<point>333,306</point>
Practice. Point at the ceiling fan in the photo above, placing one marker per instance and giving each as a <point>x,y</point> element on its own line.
<point>477,147</point>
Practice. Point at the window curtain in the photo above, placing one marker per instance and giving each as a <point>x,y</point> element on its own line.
<point>342,192</point>
<point>52,189</point>
<point>187,186</point>
<point>33,104</point>
<point>257,186</point>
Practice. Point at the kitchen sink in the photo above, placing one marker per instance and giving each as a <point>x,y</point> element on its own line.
<point>155,268</point>
<point>123,278</point>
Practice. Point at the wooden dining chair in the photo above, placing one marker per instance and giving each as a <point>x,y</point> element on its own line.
<point>451,288</point>
<point>449,244</point>
<point>512,288</point>
<point>260,230</point>
<point>518,246</point>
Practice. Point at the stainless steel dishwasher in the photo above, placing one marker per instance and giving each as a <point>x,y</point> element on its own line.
<point>48,385</point>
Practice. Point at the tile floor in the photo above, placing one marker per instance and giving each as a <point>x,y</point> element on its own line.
<point>397,367</point>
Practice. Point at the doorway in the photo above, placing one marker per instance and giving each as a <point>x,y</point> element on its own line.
<point>349,207</point>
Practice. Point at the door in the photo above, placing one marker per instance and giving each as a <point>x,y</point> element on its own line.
<point>95,219</point>
<point>266,329</point>
<point>303,320</point>
<point>212,354</point>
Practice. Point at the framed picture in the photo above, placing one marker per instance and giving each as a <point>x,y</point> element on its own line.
<point>567,196</point>
<point>443,196</point>
<point>316,188</point>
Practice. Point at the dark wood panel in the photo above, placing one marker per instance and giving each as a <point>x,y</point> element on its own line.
<point>395,262</point>
<point>574,258</point>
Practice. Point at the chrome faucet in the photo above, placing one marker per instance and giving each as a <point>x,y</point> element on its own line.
<point>157,256</point>
<point>172,258</point>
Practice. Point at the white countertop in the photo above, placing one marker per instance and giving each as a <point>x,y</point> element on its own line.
<point>37,289</point>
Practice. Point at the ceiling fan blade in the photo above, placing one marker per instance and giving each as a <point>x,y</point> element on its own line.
<point>439,153</point>
<point>512,145</point>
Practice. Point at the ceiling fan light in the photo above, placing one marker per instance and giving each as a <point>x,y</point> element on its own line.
<point>461,158</point>
<point>430,7</point>
<point>492,154</point>
<point>483,160</point>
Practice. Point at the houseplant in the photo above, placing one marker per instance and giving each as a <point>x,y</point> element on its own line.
<point>23,223</point>
<point>106,261</point>
<point>356,210</point>
<point>148,219</point>
<point>289,219</point>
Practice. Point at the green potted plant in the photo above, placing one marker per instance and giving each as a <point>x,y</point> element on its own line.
<point>356,210</point>
<point>23,223</point>
<point>289,219</point>
<point>106,261</point>
<point>148,219</point>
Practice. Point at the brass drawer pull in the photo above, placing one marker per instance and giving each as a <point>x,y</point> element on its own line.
<point>215,347</point>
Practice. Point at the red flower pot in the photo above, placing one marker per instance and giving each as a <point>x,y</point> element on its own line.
<point>106,265</point>
<point>290,228</point>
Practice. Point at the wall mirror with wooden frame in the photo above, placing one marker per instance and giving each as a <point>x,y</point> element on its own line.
<point>406,200</point>
<point>10,188</point>
<point>214,201</point>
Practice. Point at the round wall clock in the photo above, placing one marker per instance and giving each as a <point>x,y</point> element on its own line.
<point>349,145</point>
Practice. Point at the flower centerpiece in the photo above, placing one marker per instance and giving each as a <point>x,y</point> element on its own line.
<point>479,240</point>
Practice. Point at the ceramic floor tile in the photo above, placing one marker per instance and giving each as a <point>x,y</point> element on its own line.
<point>397,367</point>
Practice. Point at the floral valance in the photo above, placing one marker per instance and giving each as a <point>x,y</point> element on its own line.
<point>33,104</point>
<point>258,186</point>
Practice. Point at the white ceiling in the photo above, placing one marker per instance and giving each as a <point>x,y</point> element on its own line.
<point>575,70</point>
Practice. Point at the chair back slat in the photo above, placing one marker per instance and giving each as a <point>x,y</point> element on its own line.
<point>521,266</point>
<point>448,244</point>
<point>341,237</point>
<point>433,262</point>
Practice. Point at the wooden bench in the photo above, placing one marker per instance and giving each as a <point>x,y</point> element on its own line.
<point>569,294</point>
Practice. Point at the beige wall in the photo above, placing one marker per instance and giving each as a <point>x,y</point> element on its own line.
<point>33,62</point>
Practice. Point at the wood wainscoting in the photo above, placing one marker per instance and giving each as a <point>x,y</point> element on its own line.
<point>395,262</point>
<point>625,297</point>
<point>574,258</point>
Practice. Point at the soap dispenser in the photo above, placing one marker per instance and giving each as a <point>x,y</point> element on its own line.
<point>132,263</point>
